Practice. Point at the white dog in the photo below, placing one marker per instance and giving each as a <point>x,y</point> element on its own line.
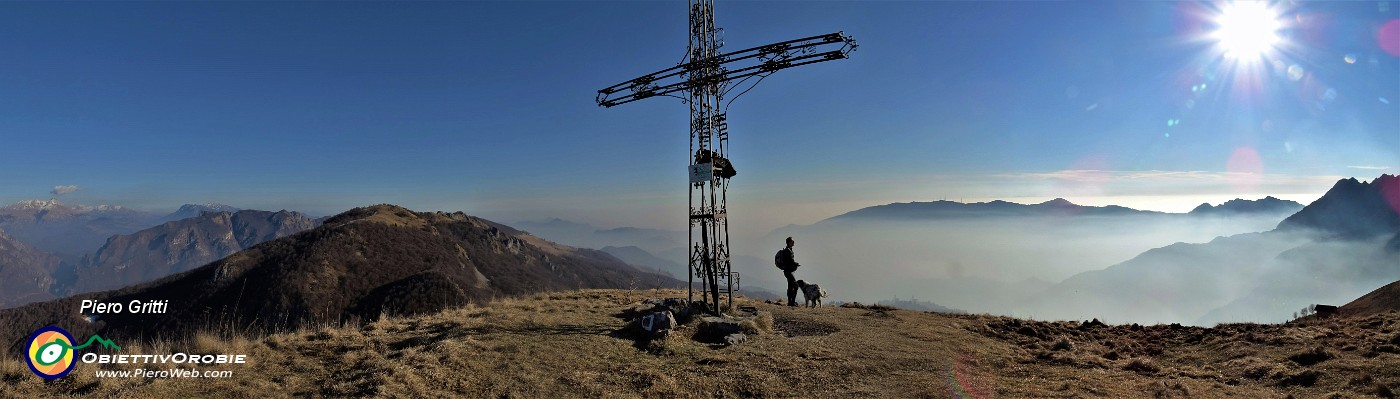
<point>812,292</point>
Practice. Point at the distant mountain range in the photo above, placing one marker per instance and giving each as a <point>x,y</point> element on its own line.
<point>180,245</point>
<point>950,209</point>
<point>53,209</point>
<point>646,261</point>
<point>915,304</point>
<point>584,235</point>
<point>1058,207</point>
<point>652,249</point>
<point>1333,249</point>
<point>87,248</point>
<point>187,211</point>
<point>359,265</point>
<point>69,231</point>
<point>1266,205</point>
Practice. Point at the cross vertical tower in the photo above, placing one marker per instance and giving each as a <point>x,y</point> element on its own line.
<point>705,76</point>
<point>709,226</point>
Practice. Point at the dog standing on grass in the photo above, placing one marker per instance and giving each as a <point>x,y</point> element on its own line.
<point>812,293</point>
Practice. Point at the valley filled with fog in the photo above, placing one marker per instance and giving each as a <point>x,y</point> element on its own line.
<point>1117,265</point>
<point>1009,249</point>
<point>986,264</point>
<point>1059,261</point>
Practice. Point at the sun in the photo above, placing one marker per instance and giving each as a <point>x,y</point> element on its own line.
<point>1247,30</point>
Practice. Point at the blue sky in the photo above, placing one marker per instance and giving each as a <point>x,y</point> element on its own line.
<point>487,107</point>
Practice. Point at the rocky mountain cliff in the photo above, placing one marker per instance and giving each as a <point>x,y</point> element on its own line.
<point>181,245</point>
<point>25,272</point>
<point>187,211</point>
<point>1353,209</point>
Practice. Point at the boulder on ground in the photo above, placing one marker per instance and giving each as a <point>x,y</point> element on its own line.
<point>735,339</point>
<point>680,308</point>
<point>715,329</point>
<point>658,321</point>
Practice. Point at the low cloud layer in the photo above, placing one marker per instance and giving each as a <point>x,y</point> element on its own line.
<point>1122,269</point>
<point>1005,265</point>
<point>63,189</point>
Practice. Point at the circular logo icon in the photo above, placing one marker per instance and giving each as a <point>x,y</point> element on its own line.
<point>49,352</point>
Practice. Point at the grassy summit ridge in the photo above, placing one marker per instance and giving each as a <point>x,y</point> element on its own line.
<point>573,344</point>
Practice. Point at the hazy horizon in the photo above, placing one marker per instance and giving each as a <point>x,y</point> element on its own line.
<point>771,216</point>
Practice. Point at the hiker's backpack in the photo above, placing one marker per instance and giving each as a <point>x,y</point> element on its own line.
<point>783,263</point>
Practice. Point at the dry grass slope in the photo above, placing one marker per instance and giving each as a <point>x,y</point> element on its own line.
<point>1381,300</point>
<point>569,344</point>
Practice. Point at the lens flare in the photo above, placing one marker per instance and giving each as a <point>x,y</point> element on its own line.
<point>1295,72</point>
<point>965,380</point>
<point>1245,169</point>
<point>1388,37</point>
<point>1247,30</point>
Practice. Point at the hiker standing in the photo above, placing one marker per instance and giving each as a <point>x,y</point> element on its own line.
<point>786,260</point>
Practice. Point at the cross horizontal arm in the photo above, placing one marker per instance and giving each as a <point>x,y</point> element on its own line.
<point>728,67</point>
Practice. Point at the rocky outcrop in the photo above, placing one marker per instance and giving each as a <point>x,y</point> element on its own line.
<point>181,245</point>
<point>1352,209</point>
<point>25,272</point>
